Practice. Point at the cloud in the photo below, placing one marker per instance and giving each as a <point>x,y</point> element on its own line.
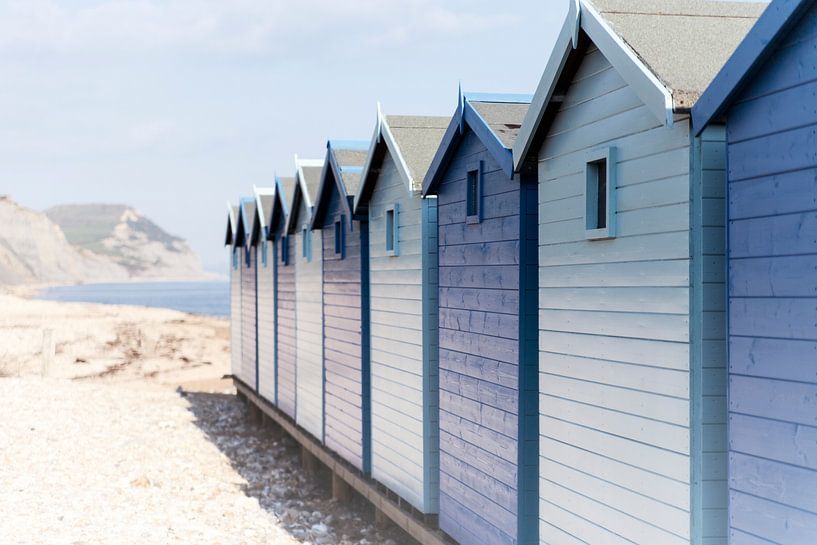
<point>236,26</point>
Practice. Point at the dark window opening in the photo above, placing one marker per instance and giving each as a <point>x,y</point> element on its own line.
<point>472,196</point>
<point>390,230</point>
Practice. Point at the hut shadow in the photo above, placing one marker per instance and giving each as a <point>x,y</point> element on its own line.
<point>270,466</point>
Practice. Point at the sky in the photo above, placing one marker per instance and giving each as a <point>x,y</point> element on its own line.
<point>176,106</point>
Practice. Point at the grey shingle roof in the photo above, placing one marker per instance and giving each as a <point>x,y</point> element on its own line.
<point>418,138</point>
<point>267,202</point>
<point>288,186</point>
<point>312,180</point>
<point>504,118</point>
<point>351,163</point>
<point>683,42</point>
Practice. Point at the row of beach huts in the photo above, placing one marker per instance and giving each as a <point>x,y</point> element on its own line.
<point>586,316</point>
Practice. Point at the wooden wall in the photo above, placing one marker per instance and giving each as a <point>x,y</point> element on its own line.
<point>345,364</point>
<point>287,351</point>
<point>773,298</point>
<point>235,311</point>
<point>614,324</point>
<point>405,448</point>
<point>479,290</point>
<point>266,322</point>
<point>310,332</point>
<point>249,318</point>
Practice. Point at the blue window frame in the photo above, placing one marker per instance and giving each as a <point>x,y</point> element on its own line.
<point>340,239</point>
<point>264,253</point>
<point>392,230</point>
<point>473,193</point>
<point>284,250</point>
<point>600,194</point>
<point>306,243</point>
<point>235,259</point>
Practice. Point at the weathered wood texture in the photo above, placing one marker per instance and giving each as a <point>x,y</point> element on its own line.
<point>773,298</point>
<point>249,318</point>
<point>310,332</point>
<point>287,351</point>
<point>345,364</point>
<point>266,321</point>
<point>482,483</point>
<point>235,311</point>
<point>405,437</point>
<point>615,337</point>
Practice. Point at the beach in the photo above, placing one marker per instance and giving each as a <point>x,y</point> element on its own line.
<point>120,425</point>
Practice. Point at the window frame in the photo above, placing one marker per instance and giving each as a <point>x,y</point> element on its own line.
<point>591,194</point>
<point>340,237</point>
<point>284,240</point>
<point>394,235</point>
<point>306,243</point>
<point>475,168</point>
<point>264,253</point>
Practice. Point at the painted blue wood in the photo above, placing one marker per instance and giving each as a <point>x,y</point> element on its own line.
<point>249,318</point>
<point>235,310</point>
<point>767,93</point>
<point>487,351</point>
<point>346,368</point>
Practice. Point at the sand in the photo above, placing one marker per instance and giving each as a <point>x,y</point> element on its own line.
<point>130,434</point>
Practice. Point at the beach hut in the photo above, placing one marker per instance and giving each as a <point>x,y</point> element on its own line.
<point>403,300</point>
<point>304,256</point>
<point>487,325</point>
<point>265,262</point>
<point>231,240</point>
<point>631,273</point>
<point>766,94</point>
<point>285,329</point>
<point>249,316</point>
<point>345,247</point>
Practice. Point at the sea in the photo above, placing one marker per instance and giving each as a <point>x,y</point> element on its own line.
<point>210,298</point>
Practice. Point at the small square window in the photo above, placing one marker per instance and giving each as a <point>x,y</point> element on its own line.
<point>392,230</point>
<point>600,195</point>
<point>285,250</point>
<point>339,238</point>
<point>473,193</point>
<point>306,241</point>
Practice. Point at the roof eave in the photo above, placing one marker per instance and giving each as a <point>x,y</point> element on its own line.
<point>583,16</point>
<point>752,52</point>
<point>480,127</point>
<point>330,166</point>
<point>443,155</point>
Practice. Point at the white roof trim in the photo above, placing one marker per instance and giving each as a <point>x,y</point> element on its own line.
<point>583,16</point>
<point>397,155</point>
<point>260,192</point>
<point>299,174</point>
<point>231,215</point>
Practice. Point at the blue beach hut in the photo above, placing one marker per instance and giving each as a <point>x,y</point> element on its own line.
<point>767,95</point>
<point>249,317</point>
<point>403,301</point>
<point>265,296</point>
<point>345,247</point>
<point>632,397</point>
<point>230,240</point>
<point>303,254</point>
<point>487,325</point>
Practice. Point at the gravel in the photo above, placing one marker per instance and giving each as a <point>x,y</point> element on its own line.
<point>138,463</point>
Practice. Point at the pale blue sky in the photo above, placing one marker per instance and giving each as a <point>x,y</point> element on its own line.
<point>175,106</point>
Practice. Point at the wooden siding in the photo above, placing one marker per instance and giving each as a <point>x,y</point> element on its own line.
<point>235,313</point>
<point>310,333</point>
<point>614,321</point>
<point>405,450</point>
<point>249,319</point>
<point>266,323</point>
<point>773,298</point>
<point>481,499</point>
<point>345,365</point>
<point>287,352</point>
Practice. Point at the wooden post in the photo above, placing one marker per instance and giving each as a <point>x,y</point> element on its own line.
<point>47,352</point>
<point>309,463</point>
<point>341,491</point>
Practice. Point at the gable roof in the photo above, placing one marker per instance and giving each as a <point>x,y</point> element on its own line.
<point>306,182</point>
<point>341,170</point>
<point>412,141</point>
<point>667,51</point>
<point>494,118</point>
<point>264,201</point>
<point>772,27</point>
<point>284,185</point>
<point>246,212</point>
<point>232,214</point>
